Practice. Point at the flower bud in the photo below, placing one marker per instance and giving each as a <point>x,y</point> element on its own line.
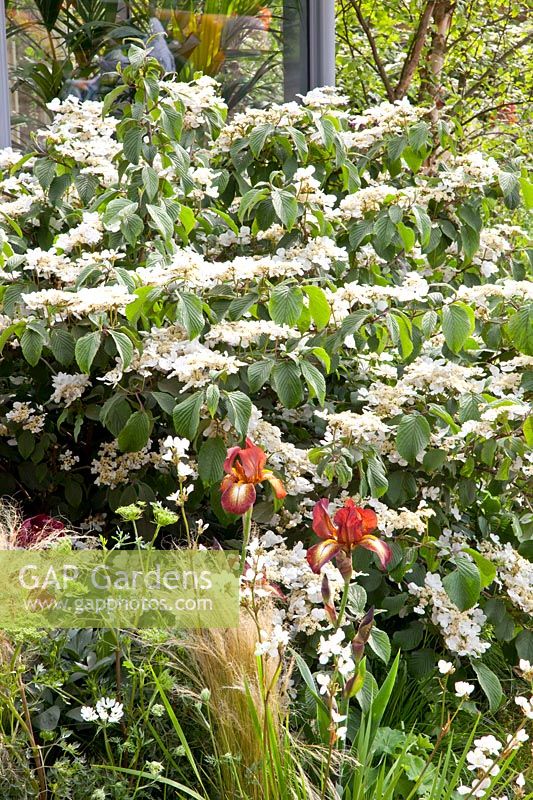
<point>363,634</point>
<point>344,565</point>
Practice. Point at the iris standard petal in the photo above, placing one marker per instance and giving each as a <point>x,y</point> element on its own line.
<point>231,455</point>
<point>253,461</point>
<point>322,523</point>
<point>369,520</point>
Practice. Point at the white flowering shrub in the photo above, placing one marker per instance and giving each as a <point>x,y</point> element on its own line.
<point>348,293</point>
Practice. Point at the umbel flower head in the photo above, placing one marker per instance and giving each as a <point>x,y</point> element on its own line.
<point>351,527</point>
<point>245,468</point>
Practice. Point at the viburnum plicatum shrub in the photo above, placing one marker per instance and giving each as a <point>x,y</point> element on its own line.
<point>347,291</point>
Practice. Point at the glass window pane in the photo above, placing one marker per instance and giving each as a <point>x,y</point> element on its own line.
<point>74,48</point>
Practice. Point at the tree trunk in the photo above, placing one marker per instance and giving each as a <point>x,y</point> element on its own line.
<point>412,58</point>
<point>431,84</point>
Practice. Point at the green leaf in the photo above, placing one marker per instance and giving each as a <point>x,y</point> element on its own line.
<point>380,644</point>
<point>376,477</point>
<point>286,304</point>
<point>150,180</point>
<point>490,684</point>
<point>287,383</point>
<point>527,193</point>
<point>211,458</point>
<point>132,227</point>
<point>212,396</point>
<point>520,330</point>
<point>162,221</point>
<point>395,147</point>
<point>86,349</point>
<point>510,188</point>
<point>44,170</point>
<point>401,332</point>
<point>359,231</point>
<point>250,199</point>
<point>407,236</point>
<point>419,135</point>
<point>136,432</point>
<point>463,585</point>
<point>31,343</point>
<point>470,216</point>
<point>47,720</point>
<point>384,230</point>
<point>186,415</point>
<point>357,599</point>
<point>524,645</point>
<point>528,430</point>
<point>323,357</point>
<point>258,374</point>
<point>487,570</point>
<point>26,444</point>
<point>189,312</point>
<point>458,323</point>
<point>315,381</point>
<point>165,401</point>
<point>423,224</point>
<point>116,211</point>
<point>124,347</point>
<point>470,241</point>
<point>111,96</point>
<point>285,206</point>
<point>62,346</point>
<point>381,700</point>
<point>115,413</point>
<point>132,144</point>
<point>412,436</point>
<point>239,408</point>
<point>318,306</point>
<point>187,219</point>
<point>258,137</point>
<point>429,323</point>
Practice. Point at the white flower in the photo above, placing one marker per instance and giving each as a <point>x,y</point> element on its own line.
<point>526,705</point>
<point>330,647</point>
<point>323,680</point>
<point>463,689</point>
<point>445,667</point>
<point>514,741</point>
<point>526,669</point>
<point>488,744</point>
<point>520,780</point>
<point>68,388</point>
<point>109,710</point>
<point>88,714</point>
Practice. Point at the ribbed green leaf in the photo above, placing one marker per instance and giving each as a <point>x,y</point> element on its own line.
<point>412,436</point>
<point>86,349</point>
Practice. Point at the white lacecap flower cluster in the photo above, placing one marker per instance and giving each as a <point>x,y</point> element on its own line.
<point>461,629</point>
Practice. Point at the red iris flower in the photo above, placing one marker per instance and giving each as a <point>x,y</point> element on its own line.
<point>351,527</point>
<point>244,468</point>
